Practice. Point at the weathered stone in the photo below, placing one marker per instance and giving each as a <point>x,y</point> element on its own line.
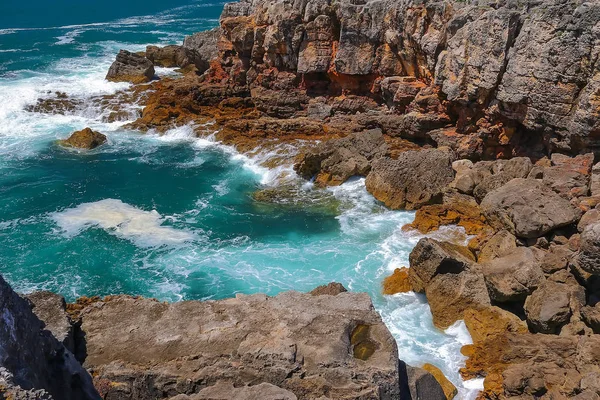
<point>130,67</point>
<point>557,258</point>
<point>589,253</point>
<point>431,257</point>
<point>331,289</point>
<point>450,390</point>
<point>201,48</point>
<point>500,244</point>
<point>226,391</point>
<point>51,309</point>
<point>595,180</point>
<point>514,276</point>
<point>591,316</point>
<point>415,179</point>
<point>527,208</point>
<point>312,346</point>
<point>590,217</point>
<point>84,139</point>
<point>420,384</point>
<point>33,363</point>
<point>503,171</point>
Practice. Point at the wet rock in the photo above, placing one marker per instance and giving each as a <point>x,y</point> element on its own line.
<point>84,139</point>
<point>130,67</point>
<point>51,309</point>
<point>414,179</point>
<point>34,364</point>
<point>589,253</point>
<point>334,161</point>
<point>331,289</point>
<point>456,209</point>
<point>527,208</point>
<point>431,257</point>
<point>397,282</point>
<point>312,346</point>
<point>514,276</point>
<point>420,384</point>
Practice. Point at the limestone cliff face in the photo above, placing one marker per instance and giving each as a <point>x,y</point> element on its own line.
<point>499,74</point>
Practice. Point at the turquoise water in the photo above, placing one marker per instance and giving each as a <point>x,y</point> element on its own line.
<point>173,216</point>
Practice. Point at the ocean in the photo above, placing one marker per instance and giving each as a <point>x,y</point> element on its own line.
<point>173,216</point>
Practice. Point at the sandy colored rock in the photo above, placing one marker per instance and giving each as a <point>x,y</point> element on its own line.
<point>397,282</point>
<point>304,344</point>
<point>51,309</point>
<point>498,245</point>
<point>331,289</point>
<point>589,253</point>
<point>84,139</point>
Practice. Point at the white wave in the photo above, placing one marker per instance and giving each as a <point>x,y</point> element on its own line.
<point>68,37</point>
<point>144,228</point>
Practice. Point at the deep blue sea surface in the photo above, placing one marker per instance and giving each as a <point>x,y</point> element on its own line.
<point>173,216</point>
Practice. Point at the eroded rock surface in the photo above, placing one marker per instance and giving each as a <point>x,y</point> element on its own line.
<point>130,67</point>
<point>84,139</point>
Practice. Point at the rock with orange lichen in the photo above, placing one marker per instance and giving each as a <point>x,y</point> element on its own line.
<point>397,282</point>
<point>456,209</point>
<point>448,387</point>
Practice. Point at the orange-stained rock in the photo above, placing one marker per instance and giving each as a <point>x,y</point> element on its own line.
<point>456,209</point>
<point>449,389</point>
<point>397,282</point>
<point>84,139</point>
<point>486,323</point>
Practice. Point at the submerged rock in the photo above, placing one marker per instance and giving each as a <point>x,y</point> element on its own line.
<point>84,139</point>
<point>130,67</point>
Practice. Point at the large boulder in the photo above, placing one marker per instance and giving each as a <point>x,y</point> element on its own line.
<point>201,48</point>
<point>130,67</point>
<point>334,161</point>
<point>514,276</point>
<point>168,56</point>
<point>502,172</point>
<point>589,252</point>
<point>414,179</point>
<point>420,384</point>
<point>312,346</point>
<point>528,208</point>
<point>33,363</point>
<point>499,244</point>
<point>84,139</point>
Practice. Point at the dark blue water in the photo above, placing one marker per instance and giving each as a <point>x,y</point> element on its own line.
<point>174,216</point>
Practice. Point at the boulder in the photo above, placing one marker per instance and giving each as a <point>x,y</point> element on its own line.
<point>331,289</point>
<point>570,177</point>
<point>169,56</point>
<point>419,384</point>
<point>33,363</point>
<point>556,258</point>
<point>334,161</point>
<point>591,316</point>
<point>590,217</point>
<point>552,305</point>
<point>84,139</point>
<point>431,257</point>
<point>226,391</point>
<point>514,276</point>
<point>414,179</point>
<point>595,180</point>
<point>201,48</point>
<point>130,67</point>
<point>589,252</point>
<point>503,171</point>
<point>528,208</point>
<point>469,176</point>
<point>448,387</point>
<point>397,282</point>
<point>312,346</point>
<point>500,244</point>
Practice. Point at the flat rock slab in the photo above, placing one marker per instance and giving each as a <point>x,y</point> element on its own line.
<point>312,346</point>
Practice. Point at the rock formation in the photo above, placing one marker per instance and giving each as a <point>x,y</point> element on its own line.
<point>84,139</point>
<point>130,67</point>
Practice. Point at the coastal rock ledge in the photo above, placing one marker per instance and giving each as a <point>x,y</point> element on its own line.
<point>327,344</point>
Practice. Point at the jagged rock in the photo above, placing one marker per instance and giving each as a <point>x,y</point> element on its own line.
<point>420,384</point>
<point>595,180</point>
<point>570,177</point>
<point>514,276</point>
<point>527,208</point>
<point>448,387</point>
<point>334,161</point>
<point>414,179</point>
<point>590,217</point>
<point>168,56</point>
<point>332,289</point>
<point>397,282</point>
<point>500,244</point>
<point>202,47</point>
<point>84,139</point>
<point>431,257</point>
<point>312,346</point>
<point>591,316</point>
<point>130,67</point>
<point>33,363</point>
<point>589,253</point>
<point>556,258</point>
<point>51,309</point>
